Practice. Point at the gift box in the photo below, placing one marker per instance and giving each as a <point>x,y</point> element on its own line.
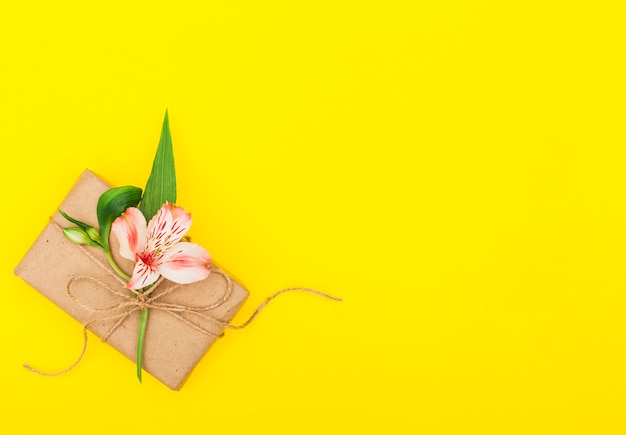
<point>184,320</point>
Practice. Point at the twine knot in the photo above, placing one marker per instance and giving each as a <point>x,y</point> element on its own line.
<point>143,301</point>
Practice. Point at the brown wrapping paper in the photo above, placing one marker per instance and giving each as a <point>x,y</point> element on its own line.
<point>172,348</point>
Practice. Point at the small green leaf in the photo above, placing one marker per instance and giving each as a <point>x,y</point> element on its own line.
<point>111,205</point>
<point>161,186</point>
<point>82,225</point>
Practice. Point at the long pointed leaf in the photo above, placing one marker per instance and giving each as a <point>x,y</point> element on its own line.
<point>161,186</point>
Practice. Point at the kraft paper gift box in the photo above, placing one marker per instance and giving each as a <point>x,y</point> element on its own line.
<point>175,341</point>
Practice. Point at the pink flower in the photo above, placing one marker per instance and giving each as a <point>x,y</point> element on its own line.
<point>157,249</point>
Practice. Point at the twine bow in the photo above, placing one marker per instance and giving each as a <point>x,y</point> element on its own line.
<point>136,301</point>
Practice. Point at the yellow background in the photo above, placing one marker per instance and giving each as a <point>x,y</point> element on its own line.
<point>453,169</point>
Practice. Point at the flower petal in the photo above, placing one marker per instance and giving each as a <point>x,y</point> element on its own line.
<point>185,263</point>
<point>167,227</point>
<point>143,275</point>
<point>158,229</point>
<point>130,229</point>
<point>181,222</point>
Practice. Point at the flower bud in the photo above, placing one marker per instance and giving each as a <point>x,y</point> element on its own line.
<point>77,235</point>
<point>93,234</point>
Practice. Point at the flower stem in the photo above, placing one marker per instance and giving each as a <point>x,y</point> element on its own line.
<point>115,267</point>
<point>144,314</point>
<point>142,333</point>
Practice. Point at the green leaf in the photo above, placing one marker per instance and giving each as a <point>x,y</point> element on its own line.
<point>111,205</point>
<point>161,186</point>
<point>82,225</point>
